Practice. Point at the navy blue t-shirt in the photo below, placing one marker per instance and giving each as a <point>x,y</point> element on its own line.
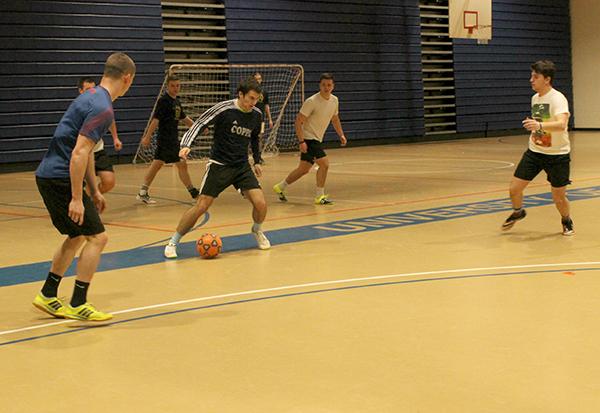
<point>91,115</point>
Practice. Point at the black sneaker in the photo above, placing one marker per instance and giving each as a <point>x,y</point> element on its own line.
<point>567,225</point>
<point>513,218</point>
<point>194,192</point>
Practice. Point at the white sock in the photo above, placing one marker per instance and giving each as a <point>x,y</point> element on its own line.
<point>320,192</point>
<point>283,184</point>
<point>175,238</point>
<point>256,227</point>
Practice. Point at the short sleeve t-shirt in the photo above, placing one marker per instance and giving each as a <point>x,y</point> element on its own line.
<point>90,115</point>
<point>319,112</point>
<point>545,109</point>
<point>168,112</point>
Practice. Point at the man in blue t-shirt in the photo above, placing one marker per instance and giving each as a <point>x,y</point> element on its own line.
<point>60,177</point>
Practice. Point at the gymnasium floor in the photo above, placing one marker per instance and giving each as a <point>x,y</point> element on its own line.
<point>404,296</point>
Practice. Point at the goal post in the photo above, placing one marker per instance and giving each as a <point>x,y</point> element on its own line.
<point>204,85</point>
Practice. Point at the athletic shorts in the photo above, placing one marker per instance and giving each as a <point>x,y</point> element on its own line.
<point>314,150</point>
<point>56,194</point>
<point>218,177</point>
<point>167,151</point>
<point>557,167</point>
<point>102,162</point>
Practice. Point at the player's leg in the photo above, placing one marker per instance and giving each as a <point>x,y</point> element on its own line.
<point>184,177</point>
<point>47,299</point>
<point>559,196</point>
<point>143,194</point>
<point>215,180</point>
<point>107,181</point>
<point>559,169</point>
<point>529,166</point>
<point>79,308</point>
<point>187,222</point>
<point>320,197</point>
<point>302,169</point>
<point>256,197</point>
<point>56,194</point>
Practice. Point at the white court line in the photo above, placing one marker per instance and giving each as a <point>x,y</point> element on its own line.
<point>315,284</point>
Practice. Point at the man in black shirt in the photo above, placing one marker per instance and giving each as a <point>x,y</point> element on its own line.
<point>265,108</point>
<point>236,123</point>
<point>167,115</point>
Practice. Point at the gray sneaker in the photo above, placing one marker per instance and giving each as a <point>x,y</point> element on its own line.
<point>145,198</point>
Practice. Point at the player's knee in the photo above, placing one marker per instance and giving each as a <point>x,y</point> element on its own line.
<point>75,242</point>
<point>100,240</point>
<point>107,185</point>
<point>260,204</point>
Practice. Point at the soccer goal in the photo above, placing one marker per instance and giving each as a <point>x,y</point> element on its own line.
<point>204,85</point>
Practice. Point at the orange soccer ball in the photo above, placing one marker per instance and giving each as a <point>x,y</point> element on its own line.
<point>209,245</point>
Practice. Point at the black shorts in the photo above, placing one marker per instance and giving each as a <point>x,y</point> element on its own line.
<point>56,194</point>
<point>218,177</point>
<point>167,150</point>
<point>102,162</point>
<point>557,167</point>
<point>314,150</point>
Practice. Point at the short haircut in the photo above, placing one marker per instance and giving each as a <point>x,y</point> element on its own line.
<point>249,84</point>
<point>327,76</point>
<point>85,79</point>
<point>172,77</point>
<point>118,65</point>
<point>545,68</point>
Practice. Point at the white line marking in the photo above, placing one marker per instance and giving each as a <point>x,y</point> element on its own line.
<point>315,284</point>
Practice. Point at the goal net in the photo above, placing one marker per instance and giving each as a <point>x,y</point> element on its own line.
<point>204,85</point>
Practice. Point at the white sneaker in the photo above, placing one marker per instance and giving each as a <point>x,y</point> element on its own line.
<point>170,250</point>
<point>261,240</point>
<point>145,198</point>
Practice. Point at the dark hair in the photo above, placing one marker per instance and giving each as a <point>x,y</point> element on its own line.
<point>248,85</point>
<point>118,65</point>
<point>85,79</point>
<point>172,77</point>
<point>545,68</point>
<point>327,76</point>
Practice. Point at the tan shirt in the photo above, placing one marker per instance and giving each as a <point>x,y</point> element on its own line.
<point>319,112</point>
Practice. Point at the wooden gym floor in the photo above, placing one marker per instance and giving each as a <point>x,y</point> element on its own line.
<point>403,296</point>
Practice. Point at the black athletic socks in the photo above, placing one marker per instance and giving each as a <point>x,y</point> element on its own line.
<point>50,288</point>
<point>79,293</point>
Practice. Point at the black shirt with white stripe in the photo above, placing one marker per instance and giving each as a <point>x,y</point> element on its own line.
<point>233,131</point>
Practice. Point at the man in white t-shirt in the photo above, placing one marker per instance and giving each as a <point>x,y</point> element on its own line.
<point>549,147</point>
<point>311,123</point>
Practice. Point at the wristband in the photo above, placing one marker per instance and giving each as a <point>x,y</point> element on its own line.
<point>301,142</point>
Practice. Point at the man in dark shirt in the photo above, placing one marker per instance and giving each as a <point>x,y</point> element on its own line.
<point>167,115</point>
<point>59,178</point>
<point>236,123</point>
<point>265,108</point>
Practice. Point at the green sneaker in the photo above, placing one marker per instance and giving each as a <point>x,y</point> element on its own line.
<point>279,193</point>
<point>86,312</point>
<point>50,305</point>
<point>323,200</point>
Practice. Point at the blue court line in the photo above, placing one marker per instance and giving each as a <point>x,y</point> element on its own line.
<point>135,257</point>
<point>72,330</point>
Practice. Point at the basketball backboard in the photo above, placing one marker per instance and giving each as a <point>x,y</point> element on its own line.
<point>470,19</point>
